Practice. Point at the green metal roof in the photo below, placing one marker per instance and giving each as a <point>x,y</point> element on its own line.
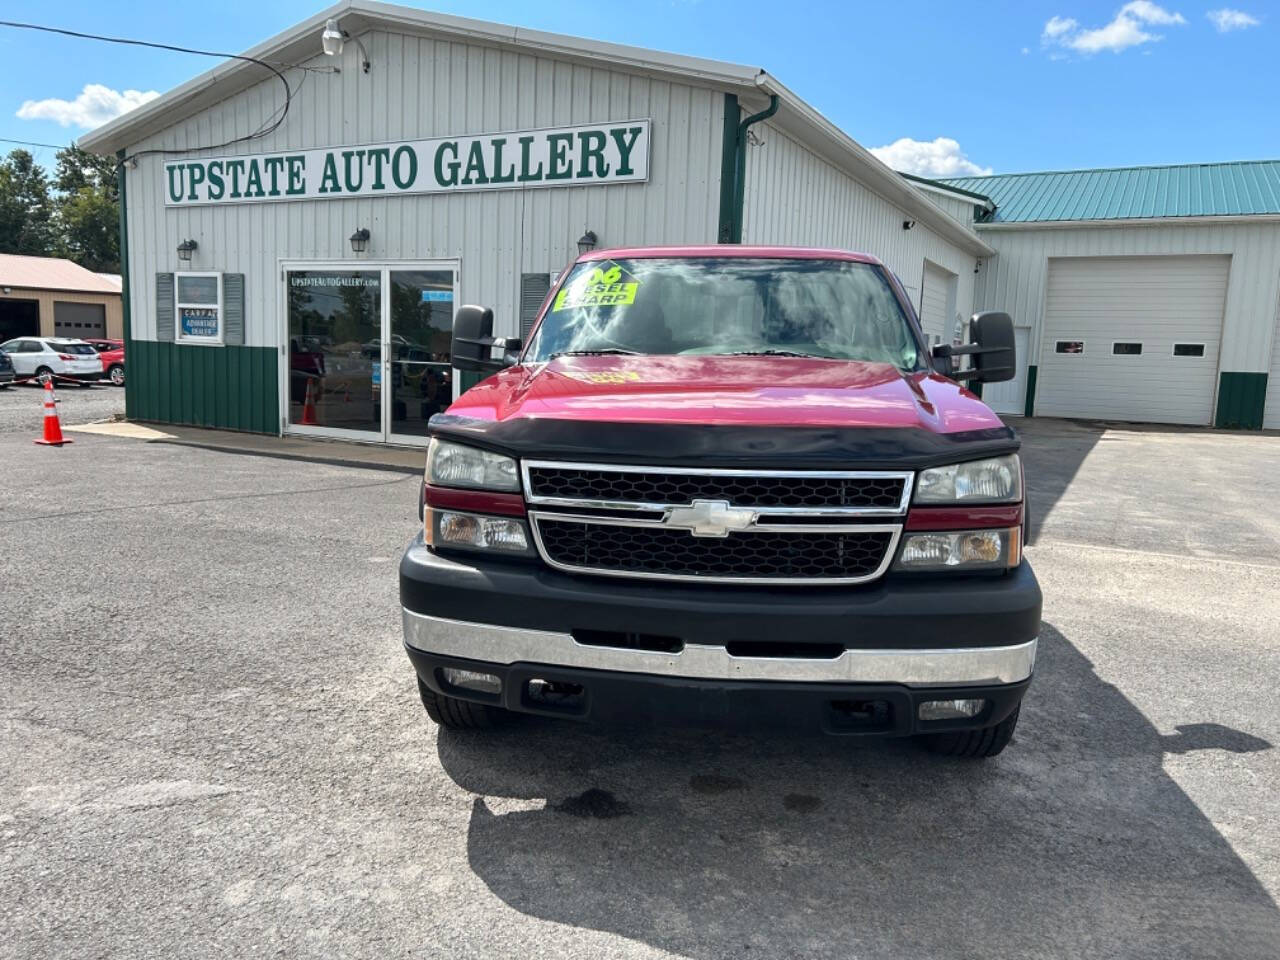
<point>1247,188</point>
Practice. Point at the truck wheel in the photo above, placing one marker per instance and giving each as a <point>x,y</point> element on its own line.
<point>456,714</point>
<point>986,742</point>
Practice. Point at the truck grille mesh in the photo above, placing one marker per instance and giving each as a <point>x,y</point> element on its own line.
<point>676,553</point>
<point>580,483</point>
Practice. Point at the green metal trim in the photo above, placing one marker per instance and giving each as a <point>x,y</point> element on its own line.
<point>1030,404</point>
<point>1242,400</point>
<point>229,388</point>
<point>740,168</point>
<point>943,185</point>
<point>728,166</point>
<point>130,400</point>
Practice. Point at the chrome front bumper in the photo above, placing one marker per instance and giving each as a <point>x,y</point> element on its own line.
<point>948,667</point>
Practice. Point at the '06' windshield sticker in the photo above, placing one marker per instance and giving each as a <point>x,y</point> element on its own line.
<point>604,286</point>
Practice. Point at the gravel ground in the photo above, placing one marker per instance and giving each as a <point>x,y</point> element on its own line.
<point>22,406</point>
<point>211,743</point>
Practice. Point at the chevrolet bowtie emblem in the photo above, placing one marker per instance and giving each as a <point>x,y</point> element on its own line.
<point>710,518</point>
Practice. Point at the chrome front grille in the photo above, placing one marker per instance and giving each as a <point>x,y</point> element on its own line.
<point>728,526</point>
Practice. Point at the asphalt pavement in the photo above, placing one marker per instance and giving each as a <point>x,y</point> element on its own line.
<point>212,746</point>
<point>22,406</point>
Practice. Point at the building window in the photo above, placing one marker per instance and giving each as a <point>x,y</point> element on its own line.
<point>198,299</point>
<point>1126,349</point>
<point>1069,346</point>
<point>1188,349</point>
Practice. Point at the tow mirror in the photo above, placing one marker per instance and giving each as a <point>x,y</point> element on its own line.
<point>992,348</point>
<point>473,342</point>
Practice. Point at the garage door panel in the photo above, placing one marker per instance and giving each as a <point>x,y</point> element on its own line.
<point>935,303</point>
<point>1155,301</point>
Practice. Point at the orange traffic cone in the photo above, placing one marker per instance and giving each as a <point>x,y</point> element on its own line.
<point>309,407</point>
<point>52,428</point>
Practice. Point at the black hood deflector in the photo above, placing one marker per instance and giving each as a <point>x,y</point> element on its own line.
<point>706,445</point>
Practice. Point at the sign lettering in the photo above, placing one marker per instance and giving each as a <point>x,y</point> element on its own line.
<point>567,156</point>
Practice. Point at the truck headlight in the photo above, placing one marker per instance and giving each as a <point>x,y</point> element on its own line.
<point>471,531</point>
<point>994,480</point>
<point>455,465</point>
<point>994,549</point>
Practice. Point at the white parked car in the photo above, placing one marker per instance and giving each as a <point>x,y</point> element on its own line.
<point>61,359</point>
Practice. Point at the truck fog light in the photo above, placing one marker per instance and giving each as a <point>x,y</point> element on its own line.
<point>951,709</point>
<point>478,532</point>
<point>472,680</point>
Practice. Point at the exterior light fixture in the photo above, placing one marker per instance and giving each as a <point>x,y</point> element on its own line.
<point>334,39</point>
<point>360,240</point>
<point>908,224</point>
<point>185,249</point>
<point>587,242</point>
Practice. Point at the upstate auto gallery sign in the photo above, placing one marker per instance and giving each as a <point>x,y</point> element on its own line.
<point>563,157</point>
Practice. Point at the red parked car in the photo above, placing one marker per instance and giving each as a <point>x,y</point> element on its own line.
<point>112,354</point>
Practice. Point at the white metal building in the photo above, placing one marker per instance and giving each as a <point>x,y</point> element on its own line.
<point>1141,294</point>
<point>304,280</point>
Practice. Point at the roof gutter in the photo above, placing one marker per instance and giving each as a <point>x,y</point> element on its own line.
<point>887,183</point>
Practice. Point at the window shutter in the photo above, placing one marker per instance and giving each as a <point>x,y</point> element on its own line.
<point>164,306</point>
<point>533,290</point>
<point>233,308</point>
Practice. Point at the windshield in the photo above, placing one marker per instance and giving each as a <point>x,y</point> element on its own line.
<point>79,349</point>
<point>725,306</point>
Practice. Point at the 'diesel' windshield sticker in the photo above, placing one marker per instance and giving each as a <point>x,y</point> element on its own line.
<point>603,286</point>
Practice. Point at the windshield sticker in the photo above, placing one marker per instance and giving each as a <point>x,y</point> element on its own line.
<point>601,287</point>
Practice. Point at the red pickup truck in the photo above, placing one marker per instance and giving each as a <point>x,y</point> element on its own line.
<point>728,485</point>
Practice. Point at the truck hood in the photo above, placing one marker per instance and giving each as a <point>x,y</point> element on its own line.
<point>727,391</point>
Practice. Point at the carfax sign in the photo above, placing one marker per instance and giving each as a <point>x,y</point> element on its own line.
<point>563,157</point>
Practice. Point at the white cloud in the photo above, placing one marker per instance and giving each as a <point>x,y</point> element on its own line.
<point>1057,26</point>
<point>94,106</point>
<point>929,158</point>
<point>1226,20</point>
<point>1126,29</point>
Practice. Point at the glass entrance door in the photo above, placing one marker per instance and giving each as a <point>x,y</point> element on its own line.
<point>334,352</point>
<point>420,375</point>
<point>368,349</point>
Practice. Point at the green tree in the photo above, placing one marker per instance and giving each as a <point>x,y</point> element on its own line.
<point>26,209</point>
<point>88,210</point>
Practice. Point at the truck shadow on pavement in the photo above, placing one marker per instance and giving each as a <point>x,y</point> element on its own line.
<point>710,844</point>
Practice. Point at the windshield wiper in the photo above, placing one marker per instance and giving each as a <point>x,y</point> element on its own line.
<point>771,353</point>
<point>602,352</point>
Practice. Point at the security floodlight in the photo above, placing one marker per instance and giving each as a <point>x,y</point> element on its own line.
<point>332,39</point>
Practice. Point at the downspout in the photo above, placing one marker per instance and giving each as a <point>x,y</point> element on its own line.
<point>740,166</point>
<point>130,381</point>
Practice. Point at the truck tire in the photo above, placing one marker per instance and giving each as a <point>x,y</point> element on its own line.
<point>983,743</point>
<point>456,714</point>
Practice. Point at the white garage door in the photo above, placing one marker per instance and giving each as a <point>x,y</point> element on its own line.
<point>1132,338</point>
<point>937,291</point>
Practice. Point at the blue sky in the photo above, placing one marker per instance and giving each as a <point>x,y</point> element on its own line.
<point>970,87</point>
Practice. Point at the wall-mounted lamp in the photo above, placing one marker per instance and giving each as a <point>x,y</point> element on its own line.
<point>335,38</point>
<point>587,242</point>
<point>8,290</point>
<point>185,249</point>
<point>360,240</point>
<point>908,224</point>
